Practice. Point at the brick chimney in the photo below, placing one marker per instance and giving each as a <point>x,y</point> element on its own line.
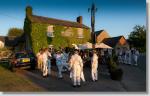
<point>79,19</point>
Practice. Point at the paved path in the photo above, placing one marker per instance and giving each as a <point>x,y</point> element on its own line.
<point>134,79</point>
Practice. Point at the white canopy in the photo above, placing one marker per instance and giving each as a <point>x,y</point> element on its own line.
<point>102,45</point>
<point>50,46</point>
<point>87,45</point>
<point>76,47</point>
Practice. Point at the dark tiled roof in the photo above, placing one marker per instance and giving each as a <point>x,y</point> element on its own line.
<point>10,41</point>
<point>112,41</point>
<point>99,32</point>
<point>46,20</point>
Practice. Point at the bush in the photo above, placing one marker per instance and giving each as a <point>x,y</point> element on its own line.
<point>115,72</point>
<point>15,32</point>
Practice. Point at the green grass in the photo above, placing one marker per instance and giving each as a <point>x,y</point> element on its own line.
<point>11,82</point>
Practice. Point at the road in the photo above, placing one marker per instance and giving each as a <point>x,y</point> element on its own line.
<point>134,80</point>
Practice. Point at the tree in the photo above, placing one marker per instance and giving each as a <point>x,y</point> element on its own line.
<point>15,32</point>
<point>137,37</point>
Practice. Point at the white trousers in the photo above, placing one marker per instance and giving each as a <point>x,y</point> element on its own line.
<point>76,75</point>
<point>59,66</point>
<point>135,59</point>
<point>119,59</point>
<point>82,76</point>
<point>129,60</point>
<point>45,69</point>
<point>94,74</point>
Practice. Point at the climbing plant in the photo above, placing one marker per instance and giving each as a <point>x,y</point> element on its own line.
<point>39,39</point>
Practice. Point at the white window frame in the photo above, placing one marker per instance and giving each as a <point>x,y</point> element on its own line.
<point>80,33</point>
<point>50,31</point>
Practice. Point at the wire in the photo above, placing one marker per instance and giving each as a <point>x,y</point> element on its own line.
<point>11,17</point>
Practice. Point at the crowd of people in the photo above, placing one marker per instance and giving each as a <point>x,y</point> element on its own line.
<point>71,61</point>
<point>128,56</point>
<point>74,61</point>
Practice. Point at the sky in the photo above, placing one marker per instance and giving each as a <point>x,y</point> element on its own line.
<point>117,17</point>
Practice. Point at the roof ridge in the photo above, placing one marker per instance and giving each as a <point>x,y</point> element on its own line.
<point>61,21</point>
<point>56,19</point>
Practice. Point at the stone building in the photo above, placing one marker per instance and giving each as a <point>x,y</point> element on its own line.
<point>43,31</point>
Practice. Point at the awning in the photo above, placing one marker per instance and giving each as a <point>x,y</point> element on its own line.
<point>87,45</point>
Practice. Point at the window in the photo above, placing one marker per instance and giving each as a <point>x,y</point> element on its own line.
<point>67,32</point>
<point>50,31</point>
<point>80,32</point>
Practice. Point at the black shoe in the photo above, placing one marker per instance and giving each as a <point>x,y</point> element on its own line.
<point>44,76</point>
<point>78,85</point>
<point>74,86</point>
<point>96,80</point>
<point>60,77</point>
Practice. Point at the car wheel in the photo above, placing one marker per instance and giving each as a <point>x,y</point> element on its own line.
<point>32,66</point>
<point>12,68</point>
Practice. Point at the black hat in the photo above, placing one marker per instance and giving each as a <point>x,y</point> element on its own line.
<point>76,51</point>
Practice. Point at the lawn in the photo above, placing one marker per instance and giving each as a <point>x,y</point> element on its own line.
<point>11,82</point>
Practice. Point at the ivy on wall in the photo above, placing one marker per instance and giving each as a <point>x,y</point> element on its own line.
<point>38,36</point>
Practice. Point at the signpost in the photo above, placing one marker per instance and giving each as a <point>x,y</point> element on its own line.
<point>93,10</point>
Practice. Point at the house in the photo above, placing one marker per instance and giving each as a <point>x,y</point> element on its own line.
<point>101,35</point>
<point>43,31</point>
<point>116,43</point>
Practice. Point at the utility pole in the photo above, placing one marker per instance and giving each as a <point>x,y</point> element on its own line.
<point>93,10</point>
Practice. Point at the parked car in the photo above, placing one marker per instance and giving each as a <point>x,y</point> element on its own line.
<point>23,59</point>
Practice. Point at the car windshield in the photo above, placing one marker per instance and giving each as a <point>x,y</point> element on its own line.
<point>31,55</point>
<point>21,55</point>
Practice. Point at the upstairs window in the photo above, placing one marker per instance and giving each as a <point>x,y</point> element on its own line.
<point>80,33</point>
<point>50,31</point>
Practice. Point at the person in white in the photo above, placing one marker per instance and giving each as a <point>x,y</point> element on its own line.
<point>82,75</point>
<point>119,56</point>
<point>48,60</point>
<point>45,63</point>
<point>126,56</point>
<point>58,57</point>
<point>39,59</point>
<point>132,55</point>
<point>94,66</point>
<point>129,56</point>
<point>76,65</point>
<point>136,55</point>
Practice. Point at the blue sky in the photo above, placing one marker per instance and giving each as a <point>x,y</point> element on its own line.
<point>117,17</point>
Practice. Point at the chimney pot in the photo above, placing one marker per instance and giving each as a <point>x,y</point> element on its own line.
<point>79,19</point>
